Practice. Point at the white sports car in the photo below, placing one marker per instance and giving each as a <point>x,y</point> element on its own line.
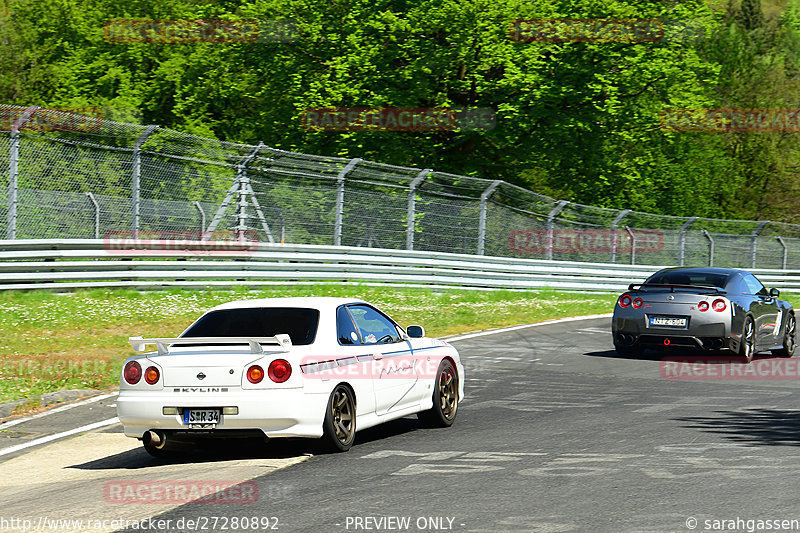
<point>287,367</point>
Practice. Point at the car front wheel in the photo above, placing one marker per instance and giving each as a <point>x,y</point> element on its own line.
<point>445,398</point>
<point>789,338</point>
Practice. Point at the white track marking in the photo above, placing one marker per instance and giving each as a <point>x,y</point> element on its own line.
<point>49,438</point>
<point>6,425</point>
<point>514,328</point>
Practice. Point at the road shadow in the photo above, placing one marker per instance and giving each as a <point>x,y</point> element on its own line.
<point>219,450</point>
<point>680,356</point>
<point>773,427</point>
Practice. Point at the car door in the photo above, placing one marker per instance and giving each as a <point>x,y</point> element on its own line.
<point>765,311</point>
<point>394,373</point>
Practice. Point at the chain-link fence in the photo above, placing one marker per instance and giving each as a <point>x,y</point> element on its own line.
<point>64,175</point>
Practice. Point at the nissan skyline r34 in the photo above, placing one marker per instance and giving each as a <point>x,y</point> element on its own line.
<point>287,367</point>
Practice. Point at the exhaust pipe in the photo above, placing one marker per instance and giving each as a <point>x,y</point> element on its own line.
<point>156,439</point>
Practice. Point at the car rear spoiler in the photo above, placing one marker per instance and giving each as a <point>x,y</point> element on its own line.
<point>282,340</point>
<point>673,286</point>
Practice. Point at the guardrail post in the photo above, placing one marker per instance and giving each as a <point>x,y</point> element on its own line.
<point>13,170</point>
<point>482,218</point>
<point>682,240</point>
<point>785,252</point>
<point>412,192</point>
<point>199,207</point>
<point>136,175</point>
<point>337,222</point>
<point>707,235</point>
<point>633,244</point>
<point>91,198</point>
<point>614,223</point>
<point>550,226</point>
<point>754,242</point>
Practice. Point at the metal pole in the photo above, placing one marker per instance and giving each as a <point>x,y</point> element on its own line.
<point>199,207</point>
<point>136,177</point>
<point>633,244</point>
<point>91,198</point>
<point>13,170</point>
<point>614,223</point>
<point>710,247</point>
<point>785,251</point>
<point>754,242</point>
<point>550,225</point>
<point>682,240</point>
<point>412,193</point>
<point>482,219</point>
<point>337,223</point>
<point>244,188</point>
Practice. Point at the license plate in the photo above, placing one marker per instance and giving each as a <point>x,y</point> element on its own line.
<point>668,321</point>
<point>201,416</point>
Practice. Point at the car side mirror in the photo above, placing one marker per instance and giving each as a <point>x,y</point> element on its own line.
<point>415,332</point>
<point>774,292</point>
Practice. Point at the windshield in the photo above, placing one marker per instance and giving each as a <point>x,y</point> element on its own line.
<point>299,324</point>
<point>683,277</point>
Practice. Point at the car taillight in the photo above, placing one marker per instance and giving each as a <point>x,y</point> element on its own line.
<point>133,372</point>
<point>151,375</point>
<point>703,306</point>
<point>637,303</point>
<point>279,370</point>
<point>255,374</point>
<point>719,305</point>
<point>624,300</point>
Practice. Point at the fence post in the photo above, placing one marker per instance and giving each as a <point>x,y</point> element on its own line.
<point>633,244</point>
<point>754,242</point>
<point>199,207</point>
<point>337,222</point>
<point>13,170</point>
<point>136,177</point>
<point>682,240</point>
<point>550,224</point>
<point>707,235</point>
<point>482,218</point>
<point>90,196</point>
<point>412,191</point>
<point>785,251</point>
<point>614,224</point>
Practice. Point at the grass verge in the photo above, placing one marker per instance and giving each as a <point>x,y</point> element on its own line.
<point>79,340</point>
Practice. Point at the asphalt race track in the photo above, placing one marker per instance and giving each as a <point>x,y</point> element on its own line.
<point>557,434</point>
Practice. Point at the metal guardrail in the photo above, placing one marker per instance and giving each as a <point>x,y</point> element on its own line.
<point>68,264</point>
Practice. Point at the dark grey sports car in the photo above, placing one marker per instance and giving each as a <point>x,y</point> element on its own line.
<point>706,308</point>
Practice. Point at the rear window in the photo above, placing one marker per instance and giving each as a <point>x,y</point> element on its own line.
<point>300,324</point>
<point>699,279</point>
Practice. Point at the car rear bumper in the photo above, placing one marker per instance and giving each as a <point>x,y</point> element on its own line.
<point>275,413</point>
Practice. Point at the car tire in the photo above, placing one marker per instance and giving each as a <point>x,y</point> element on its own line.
<point>339,426</point>
<point>747,344</point>
<point>789,338</point>
<point>445,398</point>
